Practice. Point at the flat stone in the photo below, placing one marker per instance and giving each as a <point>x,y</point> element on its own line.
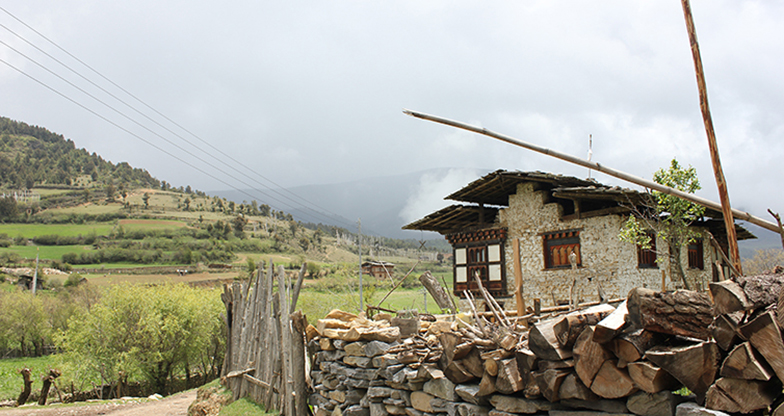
<point>519,405</point>
<point>377,394</point>
<point>362,373</point>
<point>356,411</point>
<point>410,411</point>
<point>355,361</point>
<point>662,403</point>
<point>339,343</point>
<point>375,348</point>
<point>584,413</point>
<point>357,383</point>
<point>355,348</point>
<point>468,392</point>
<point>383,361</point>
<point>442,388</point>
<point>354,396</point>
<point>421,401</point>
<point>500,413</point>
<point>693,409</point>
<point>606,406</point>
<point>468,409</point>
<point>338,395</point>
<point>389,371</point>
<point>317,400</point>
<point>395,410</point>
<point>378,409</point>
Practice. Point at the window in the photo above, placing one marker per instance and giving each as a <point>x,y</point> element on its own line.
<point>558,246</point>
<point>479,253</point>
<point>695,254</point>
<point>646,258</point>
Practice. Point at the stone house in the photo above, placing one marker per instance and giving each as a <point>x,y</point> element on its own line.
<point>552,233</point>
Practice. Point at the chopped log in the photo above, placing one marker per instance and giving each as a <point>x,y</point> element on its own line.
<point>542,341</point>
<point>28,383</point>
<point>526,363</point>
<point>573,388</point>
<point>745,396</point>
<point>694,365</point>
<point>650,378</point>
<point>311,332</point>
<point>631,346</point>
<point>762,290</point>
<point>612,325</point>
<point>457,373</point>
<point>549,382</point>
<point>612,382</point>
<point>589,356</point>
<point>682,312</point>
<point>439,294</point>
<point>473,363</point>
<point>764,334</point>
<point>744,362</point>
<point>556,365</point>
<point>728,297</point>
<point>449,341</point>
<point>572,325</point>
<point>491,366</point>
<point>487,385</point>
<point>508,380</point>
<point>725,331</point>
<point>777,409</point>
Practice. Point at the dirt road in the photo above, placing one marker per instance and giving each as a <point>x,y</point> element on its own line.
<point>175,405</point>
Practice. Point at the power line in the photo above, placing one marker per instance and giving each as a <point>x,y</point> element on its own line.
<point>335,219</point>
<point>303,202</point>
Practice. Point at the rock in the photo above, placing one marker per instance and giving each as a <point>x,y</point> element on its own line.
<point>469,393</point>
<point>355,361</point>
<point>421,401</point>
<point>468,409</point>
<point>606,406</point>
<point>355,349</point>
<point>378,409</point>
<point>519,405</point>
<point>662,403</point>
<point>375,348</point>
<point>377,394</point>
<point>442,388</point>
<point>385,361</point>
<point>584,413</point>
<point>693,409</point>
<point>356,411</point>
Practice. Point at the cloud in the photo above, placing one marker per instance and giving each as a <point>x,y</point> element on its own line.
<point>433,187</point>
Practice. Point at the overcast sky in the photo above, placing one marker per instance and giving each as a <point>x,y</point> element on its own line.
<point>312,92</point>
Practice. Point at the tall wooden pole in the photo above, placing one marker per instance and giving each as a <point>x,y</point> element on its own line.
<point>724,196</point>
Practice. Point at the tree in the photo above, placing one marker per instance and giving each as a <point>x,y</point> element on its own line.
<point>187,203</point>
<point>110,192</point>
<point>668,216</point>
<point>239,226</point>
<point>147,331</point>
<point>146,199</point>
<point>8,208</point>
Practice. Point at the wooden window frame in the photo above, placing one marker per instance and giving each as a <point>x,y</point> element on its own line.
<point>557,246</point>
<point>472,254</point>
<point>646,258</point>
<point>696,254</point>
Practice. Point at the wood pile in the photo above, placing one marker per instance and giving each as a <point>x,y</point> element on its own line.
<point>727,349</point>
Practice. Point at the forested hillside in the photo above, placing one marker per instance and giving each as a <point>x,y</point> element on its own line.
<point>32,156</point>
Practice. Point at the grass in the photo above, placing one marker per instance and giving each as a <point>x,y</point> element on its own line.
<point>44,252</point>
<point>245,406</point>
<point>67,230</point>
<point>10,379</point>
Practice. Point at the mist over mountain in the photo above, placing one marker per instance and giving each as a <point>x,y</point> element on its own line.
<point>384,204</point>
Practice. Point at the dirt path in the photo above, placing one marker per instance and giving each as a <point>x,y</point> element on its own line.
<point>175,405</point>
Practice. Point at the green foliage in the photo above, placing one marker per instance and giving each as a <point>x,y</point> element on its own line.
<point>676,214</point>
<point>147,331</point>
<point>764,261</point>
<point>23,323</point>
<point>8,208</point>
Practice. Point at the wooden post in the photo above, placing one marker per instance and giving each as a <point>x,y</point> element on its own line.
<point>518,274</point>
<point>28,383</point>
<point>724,197</point>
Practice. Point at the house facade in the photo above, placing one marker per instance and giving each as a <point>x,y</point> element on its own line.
<point>378,269</point>
<point>555,236</point>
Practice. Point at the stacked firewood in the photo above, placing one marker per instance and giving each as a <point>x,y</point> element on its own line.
<point>727,349</point>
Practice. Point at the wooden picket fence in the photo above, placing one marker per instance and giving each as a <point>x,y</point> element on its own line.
<point>265,351</point>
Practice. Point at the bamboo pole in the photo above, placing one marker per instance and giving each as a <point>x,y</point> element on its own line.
<point>721,183</point>
<point>741,215</point>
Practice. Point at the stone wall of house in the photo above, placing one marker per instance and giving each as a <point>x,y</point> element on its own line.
<point>605,258</point>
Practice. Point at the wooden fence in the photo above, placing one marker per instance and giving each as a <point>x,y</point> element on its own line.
<point>265,351</point>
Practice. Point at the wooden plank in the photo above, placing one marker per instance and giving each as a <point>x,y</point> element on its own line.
<point>518,275</point>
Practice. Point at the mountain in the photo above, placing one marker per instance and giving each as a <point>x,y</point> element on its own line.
<point>384,204</point>
<point>32,156</point>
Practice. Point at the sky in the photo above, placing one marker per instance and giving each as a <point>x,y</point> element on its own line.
<point>282,94</point>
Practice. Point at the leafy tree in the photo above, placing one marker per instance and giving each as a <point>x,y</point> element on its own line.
<point>669,217</point>
<point>110,192</point>
<point>146,199</point>
<point>151,332</point>
<point>8,208</point>
<point>187,203</point>
<point>764,261</point>
<point>239,226</point>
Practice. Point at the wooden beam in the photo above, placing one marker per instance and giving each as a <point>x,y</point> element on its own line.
<point>745,216</point>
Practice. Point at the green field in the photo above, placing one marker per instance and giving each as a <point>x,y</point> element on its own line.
<point>10,379</point>
<point>67,230</point>
<point>45,252</point>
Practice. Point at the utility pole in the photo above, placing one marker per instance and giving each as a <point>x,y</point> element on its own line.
<point>724,196</point>
<point>359,244</point>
